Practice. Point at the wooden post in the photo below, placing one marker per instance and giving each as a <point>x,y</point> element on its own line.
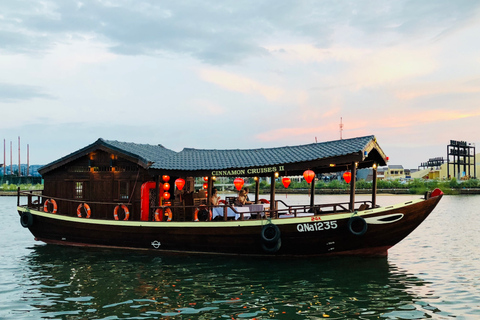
<point>156,196</point>
<point>312,195</point>
<point>374,186</point>
<point>352,187</point>
<point>209,191</point>
<point>272,197</point>
<point>257,190</point>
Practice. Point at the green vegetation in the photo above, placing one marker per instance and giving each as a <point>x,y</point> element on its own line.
<point>23,187</point>
<point>416,186</point>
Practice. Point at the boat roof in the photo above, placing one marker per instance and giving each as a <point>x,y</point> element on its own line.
<point>330,156</point>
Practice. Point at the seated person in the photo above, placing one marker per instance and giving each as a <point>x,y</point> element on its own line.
<point>215,197</point>
<point>247,190</point>
<point>242,199</point>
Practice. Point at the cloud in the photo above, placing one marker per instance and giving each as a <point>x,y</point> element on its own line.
<point>241,84</point>
<point>220,33</point>
<point>10,93</point>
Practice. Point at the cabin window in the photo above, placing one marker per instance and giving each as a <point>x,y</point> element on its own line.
<point>124,187</point>
<point>79,190</point>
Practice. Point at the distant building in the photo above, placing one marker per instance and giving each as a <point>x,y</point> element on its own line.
<point>394,172</point>
<point>445,170</point>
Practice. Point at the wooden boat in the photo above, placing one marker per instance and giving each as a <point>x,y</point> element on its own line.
<point>117,195</point>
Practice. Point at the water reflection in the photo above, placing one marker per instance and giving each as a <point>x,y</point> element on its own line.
<point>74,283</point>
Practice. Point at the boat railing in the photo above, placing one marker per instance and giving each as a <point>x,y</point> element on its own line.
<point>105,210</point>
<point>100,210</point>
<point>325,208</point>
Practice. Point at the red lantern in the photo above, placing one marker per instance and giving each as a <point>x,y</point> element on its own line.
<point>179,183</point>
<point>205,185</point>
<point>166,186</point>
<point>286,182</point>
<point>238,182</point>
<point>347,176</point>
<point>166,195</point>
<point>166,178</point>
<point>309,175</point>
<point>205,178</point>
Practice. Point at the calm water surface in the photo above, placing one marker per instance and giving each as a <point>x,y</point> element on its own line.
<point>433,274</point>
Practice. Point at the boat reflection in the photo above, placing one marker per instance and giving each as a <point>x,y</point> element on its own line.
<point>84,283</point>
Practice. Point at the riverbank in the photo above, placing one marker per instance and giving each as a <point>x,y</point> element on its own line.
<point>331,191</point>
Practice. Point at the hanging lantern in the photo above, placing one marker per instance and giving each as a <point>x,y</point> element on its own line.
<point>179,183</point>
<point>347,176</point>
<point>286,182</point>
<point>166,178</point>
<point>238,182</point>
<point>205,178</point>
<point>205,185</point>
<point>309,175</point>
<point>166,186</point>
<point>166,195</point>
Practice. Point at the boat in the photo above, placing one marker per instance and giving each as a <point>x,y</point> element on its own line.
<point>124,195</point>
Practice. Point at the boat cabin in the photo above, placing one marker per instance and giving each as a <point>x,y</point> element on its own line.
<point>129,181</point>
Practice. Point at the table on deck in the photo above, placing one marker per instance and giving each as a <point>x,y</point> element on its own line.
<point>247,211</point>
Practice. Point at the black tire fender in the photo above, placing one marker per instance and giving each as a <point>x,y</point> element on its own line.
<point>272,247</point>
<point>270,233</point>
<point>357,226</point>
<point>26,219</point>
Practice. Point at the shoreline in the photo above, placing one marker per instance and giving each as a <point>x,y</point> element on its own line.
<point>323,191</point>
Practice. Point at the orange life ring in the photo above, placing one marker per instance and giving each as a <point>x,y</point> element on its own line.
<point>202,207</point>
<point>124,207</point>
<point>159,214</point>
<point>45,206</point>
<point>87,208</point>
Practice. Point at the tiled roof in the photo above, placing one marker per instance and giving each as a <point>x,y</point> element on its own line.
<point>148,152</point>
<point>197,159</point>
<point>160,158</point>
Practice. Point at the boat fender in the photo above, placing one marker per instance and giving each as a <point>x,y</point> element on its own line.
<point>270,233</point>
<point>357,225</point>
<point>201,214</point>
<point>125,209</point>
<point>159,216</point>
<point>26,219</point>
<point>87,209</point>
<point>53,202</point>
<point>272,247</point>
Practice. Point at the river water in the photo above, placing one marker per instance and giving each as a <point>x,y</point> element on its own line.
<point>433,274</point>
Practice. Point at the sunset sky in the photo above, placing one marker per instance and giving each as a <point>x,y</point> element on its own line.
<point>239,74</point>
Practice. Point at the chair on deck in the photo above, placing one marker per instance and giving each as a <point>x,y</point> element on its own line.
<point>363,206</point>
<point>230,201</point>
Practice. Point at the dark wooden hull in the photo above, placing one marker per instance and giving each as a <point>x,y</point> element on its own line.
<point>376,231</point>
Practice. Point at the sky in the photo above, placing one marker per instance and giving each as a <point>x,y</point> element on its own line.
<point>239,74</point>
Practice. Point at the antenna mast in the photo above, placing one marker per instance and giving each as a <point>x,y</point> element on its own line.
<point>341,128</point>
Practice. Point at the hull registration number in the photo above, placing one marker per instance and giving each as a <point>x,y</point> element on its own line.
<point>317,226</point>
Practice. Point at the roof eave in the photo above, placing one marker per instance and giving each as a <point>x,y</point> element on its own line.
<point>100,144</point>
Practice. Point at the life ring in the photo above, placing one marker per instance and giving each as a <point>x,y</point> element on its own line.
<point>26,219</point>
<point>222,202</point>
<point>125,209</point>
<point>159,216</point>
<point>357,225</point>
<point>87,209</point>
<point>264,201</point>
<point>203,213</point>
<point>45,206</point>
